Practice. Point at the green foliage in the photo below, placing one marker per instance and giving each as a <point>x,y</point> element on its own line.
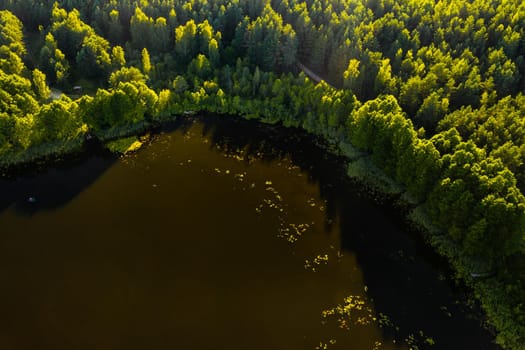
<point>69,31</point>
<point>502,72</point>
<point>70,41</point>
<point>12,47</point>
<point>431,111</point>
<point>124,145</point>
<point>179,84</point>
<point>52,61</point>
<point>498,129</point>
<point>40,86</point>
<point>10,62</point>
<point>192,39</point>
<point>453,69</point>
<point>58,120</point>
<point>125,74</point>
<point>150,33</point>
<point>17,97</point>
<point>185,39</point>
<point>200,68</point>
<point>272,45</point>
<point>478,202</point>
<point>93,59</point>
<point>11,33</point>
<point>118,58</point>
<point>380,128</point>
<point>146,63</point>
<point>128,103</point>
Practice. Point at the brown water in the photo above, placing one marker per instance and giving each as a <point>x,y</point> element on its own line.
<point>217,235</point>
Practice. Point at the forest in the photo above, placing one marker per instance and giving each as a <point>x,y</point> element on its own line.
<point>430,90</point>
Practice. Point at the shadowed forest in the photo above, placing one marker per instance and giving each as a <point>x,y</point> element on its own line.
<point>427,93</point>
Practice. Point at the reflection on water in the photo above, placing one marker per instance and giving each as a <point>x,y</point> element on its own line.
<point>217,235</point>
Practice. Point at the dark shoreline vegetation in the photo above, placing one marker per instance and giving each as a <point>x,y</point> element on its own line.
<point>426,101</point>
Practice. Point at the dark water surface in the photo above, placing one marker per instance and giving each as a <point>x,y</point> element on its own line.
<point>220,234</point>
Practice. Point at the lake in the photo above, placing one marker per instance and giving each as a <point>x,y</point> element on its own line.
<point>219,234</point>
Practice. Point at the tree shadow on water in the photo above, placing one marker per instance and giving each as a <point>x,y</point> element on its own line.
<point>405,278</point>
<point>49,187</point>
<point>269,143</point>
<point>407,281</point>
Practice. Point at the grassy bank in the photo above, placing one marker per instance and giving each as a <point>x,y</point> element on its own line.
<point>55,150</point>
<point>42,153</point>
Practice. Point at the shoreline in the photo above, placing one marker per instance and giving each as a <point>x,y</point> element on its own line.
<point>359,167</point>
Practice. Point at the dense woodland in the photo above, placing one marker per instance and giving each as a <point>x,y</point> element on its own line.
<point>431,89</point>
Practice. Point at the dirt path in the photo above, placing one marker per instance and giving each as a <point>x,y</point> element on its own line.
<point>311,74</point>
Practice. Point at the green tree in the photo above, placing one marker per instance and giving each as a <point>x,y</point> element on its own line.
<point>11,34</point>
<point>40,86</point>
<point>93,59</point>
<point>10,62</point>
<point>141,29</point>
<point>503,72</point>
<point>146,63</point>
<point>52,61</point>
<point>432,110</point>
<point>185,40</point>
<point>118,58</point>
<point>270,43</point>
<point>69,33</point>
<point>126,74</point>
<point>57,120</point>
<point>179,84</point>
<point>17,95</point>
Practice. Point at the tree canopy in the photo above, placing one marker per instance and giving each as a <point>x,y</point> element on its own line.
<point>431,90</point>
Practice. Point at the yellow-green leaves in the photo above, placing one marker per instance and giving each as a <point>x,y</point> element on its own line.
<point>40,85</point>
